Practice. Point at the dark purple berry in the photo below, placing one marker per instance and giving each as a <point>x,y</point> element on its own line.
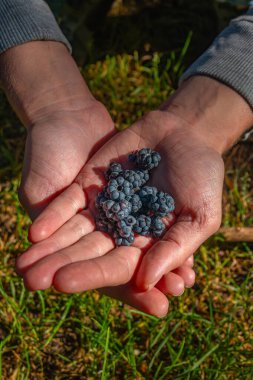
<point>161,204</point>
<point>114,170</point>
<point>127,205</point>
<point>119,188</point>
<point>157,226</point>
<point>142,225</point>
<point>145,158</point>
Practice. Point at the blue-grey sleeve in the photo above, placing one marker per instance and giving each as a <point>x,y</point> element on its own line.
<point>229,59</point>
<point>27,20</point>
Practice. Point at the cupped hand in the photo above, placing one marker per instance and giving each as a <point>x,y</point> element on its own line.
<point>65,123</point>
<point>57,147</point>
<point>75,258</point>
<point>65,126</point>
<point>191,131</point>
<point>190,170</point>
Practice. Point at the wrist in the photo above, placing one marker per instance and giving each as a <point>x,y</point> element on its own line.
<point>40,78</point>
<point>218,114</point>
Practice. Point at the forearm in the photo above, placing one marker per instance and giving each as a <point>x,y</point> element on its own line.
<point>229,58</point>
<point>217,113</point>
<point>215,96</point>
<point>40,77</point>
<point>37,71</point>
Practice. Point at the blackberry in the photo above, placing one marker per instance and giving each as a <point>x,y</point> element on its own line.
<point>135,202</point>
<point>117,210</point>
<point>129,221</point>
<point>101,197</point>
<point>145,158</point>
<point>118,188</point>
<point>157,226</point>
<point>136,177</point>
<point>143,175</point>
<point>127,206</point>
<point>119,240</point>
<point>161,204</point>
<point>104,224</point>
<point>124,230</point>
<point>147,192</point>
<point>143,224</point>
<point>114,170</point>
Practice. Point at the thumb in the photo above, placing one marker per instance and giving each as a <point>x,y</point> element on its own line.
<point>176,246</point>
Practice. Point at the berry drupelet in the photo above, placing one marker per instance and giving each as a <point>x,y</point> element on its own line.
<point>145,158</point>
<point>161,203</point>
<point>142,226</point>
<point>114,170</point>
<point>119,188</point>
<point>127,205</point>
<point>157,226</point>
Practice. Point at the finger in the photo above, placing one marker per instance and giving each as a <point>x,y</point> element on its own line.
<point>187,274</point>
<point>60,210</point>
<point>115,268</point>
<point>71,232</point>
<point>79,225</point>
<point>176,246</point>
<point>40,275</point>
<point>190,261</point>
<point>172,284</point>
<point>153,302</point>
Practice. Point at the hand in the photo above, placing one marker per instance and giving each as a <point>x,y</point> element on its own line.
<point>57,147</point>
<point>190,170</point>
<point>178,140</point>
<point>39,264</point>
<point>65,123</point>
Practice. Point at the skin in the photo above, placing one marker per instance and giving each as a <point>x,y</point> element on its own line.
<point>191,131</point>
<point>65,123</point>
<point>65,126</point>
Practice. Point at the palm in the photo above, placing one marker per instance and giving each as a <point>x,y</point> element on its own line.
<point>57,147</point>
<point>190,171</point>
<point>41,270</point>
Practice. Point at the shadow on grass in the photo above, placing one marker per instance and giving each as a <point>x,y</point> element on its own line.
<point>101,27</point>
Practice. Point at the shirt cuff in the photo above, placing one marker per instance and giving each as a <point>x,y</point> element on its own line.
<point>27,20</point>
<point>230,57</point>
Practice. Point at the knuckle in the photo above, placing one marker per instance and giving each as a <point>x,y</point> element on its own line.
<point>76,198</point>
<point>78,227</point>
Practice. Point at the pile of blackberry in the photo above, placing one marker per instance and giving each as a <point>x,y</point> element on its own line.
<point>127,206</point>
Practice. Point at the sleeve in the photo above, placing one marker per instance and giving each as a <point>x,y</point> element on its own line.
<point>230,57</point>
<point>27,20</point>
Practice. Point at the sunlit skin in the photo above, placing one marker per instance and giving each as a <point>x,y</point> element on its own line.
<point>191,170</point>
<point>41,262</point>
<point>183,156</point>
<point>66,125</point>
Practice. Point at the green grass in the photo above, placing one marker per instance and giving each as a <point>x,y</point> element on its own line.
<point>207,333</point>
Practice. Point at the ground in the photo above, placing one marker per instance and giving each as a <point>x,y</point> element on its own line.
<point>207,333</point>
